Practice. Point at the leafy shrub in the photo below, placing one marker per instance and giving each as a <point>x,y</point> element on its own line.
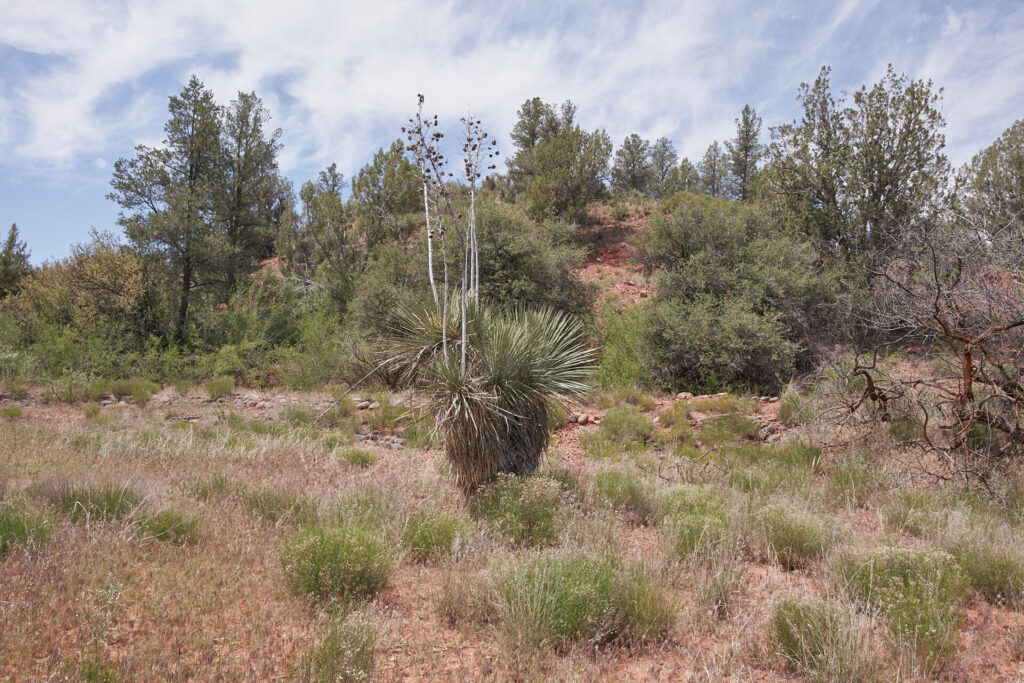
<point>792,536</point>
<point>554,601</point>
<point>345,653</point>
<point>19,528</point>
<point>173,526</point>
<point>524,510</point>
<point>429,535</point>
<point>95,503</point>
<point>821,639</point>
<point>219,387</point>
<point>623,490</point>
<point>347,562</point>
<point>360,457</point>
<point>919,593</point>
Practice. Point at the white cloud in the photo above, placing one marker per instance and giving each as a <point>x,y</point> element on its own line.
<point>340,78</point>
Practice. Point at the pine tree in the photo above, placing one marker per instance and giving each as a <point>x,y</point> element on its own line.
<point>632,169</point>
<point>712,169</point>
<point>744,153</point>
<point>14,263</point>
<point>664,161</point>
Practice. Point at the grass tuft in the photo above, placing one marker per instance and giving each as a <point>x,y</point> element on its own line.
<point>172,526</point>
<point>360,457</point>
<point>623,490</point>
<point>94,503</point>
<point>792,536</point>
<point>429,535</point>
<point>219,387</point>
<point>821,639</point>
<point>524,510</point>
<point>24,529</point>
<point>348,562</point>
<point>345,652</point>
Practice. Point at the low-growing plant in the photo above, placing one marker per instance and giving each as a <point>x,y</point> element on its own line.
<point>430,535</point>
<point>905,429</point>
<point>725,429</point>
<point>347,562</point>
<point>911,511</point>
<point>22,528</point>
<point>793,536</point>
<point>524,510</point>
<point>793,409</point>
<point>94,503</point>
<point>627,395</point>
<point>1017,644</point>
<point>345,653</point>
<point>275,504</point>
<point>138,390</point>
<point>626,426</point>
<point>219,387</point>
<point>694,521</point>
<point>679,413</point>
<point>16,388</point>
<point>91,410</point>
<point>919,592</point>
<point>556,600</point>
<point>297,415</point>
<point>623,490</point>
<point>10,412</point>
<point>360,457</point>
<point>172,526</point>
<point>853,481</point>
<point>727,403</point>
<point>716,577</point>
<point>468,598</point>
<point>822,639</point>
<point>218,485</point>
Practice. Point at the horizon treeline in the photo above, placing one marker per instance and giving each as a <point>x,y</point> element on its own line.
<point>762,252</point>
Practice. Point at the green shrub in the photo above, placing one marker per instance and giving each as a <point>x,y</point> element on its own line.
<point>345,653</point>
<point>524,510</point>
<point>16,388</point>
<point>348,562</point>
<point>822,640</point>
<point>792,536</point>
<point>919,592</point>
<point>853,481</point>
<point>623,490</point>
<point>219,387</point>
<point>554,601</point>
<point>728,429</point>
<point>430,535</point>
<point>138,390</point>
<point>91,410</point>
<point>95,503</point>
<point>10,412</point>
<point>624,425</point>
<point>620,364</point>
<point>360,457</point>
<point>171,525</point>
<point>97,389</point>
<point>19,528</point>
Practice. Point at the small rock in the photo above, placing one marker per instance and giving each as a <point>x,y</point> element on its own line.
<point>773,399</point>
<point>583,419</point>
<point>107,402</point>
<point>684,396</point>
<point>572,418</point>
<point>363,405</point>
<point>121,404</point>
<point>374,406</point>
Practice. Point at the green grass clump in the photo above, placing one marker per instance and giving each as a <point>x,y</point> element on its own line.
<point>348,562</point>
<point>905,430</point>
<point>276,505</point>
<point>91,410</point>
<point>16,388</point>
<point>20,528</point>
<point>919,592</point>
<point>625,491</point>
<point>360,457</point>
<point>219,387</point>
<point>10,412</point>
<point>628,395</point>
<point>554,601</point>
<point>297,415</point>
<point>677,414</point>
<point>430,535</point>
<point>172,526</point>
<point>726,429</point>
<point>912,511</point>
<point>723,404</point>
<point>695,519</point>
<point>524,510</point>
<point>345,653</point>
<point>95,503</point>
<point>853,481</point>
<point>793,409</point>
<point>214,487</point>
<point>793,536</point>
<point>821,639</point>
<point>625,425</point>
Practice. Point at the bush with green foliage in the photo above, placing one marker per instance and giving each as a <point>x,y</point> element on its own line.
<point>919,592</point>
<point>557,600</point>
<point>347,562</point>
<point>524,510</point>
<point>219,387</point>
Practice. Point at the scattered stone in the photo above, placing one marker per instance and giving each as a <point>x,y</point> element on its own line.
<point>684,396</point>
<point>773,399</point>
<point>374,406</point>
<point>572,417</point>
<point>106,401</point>
<point>121,404</point>
<point>364,405</point>
<point>583,419</point>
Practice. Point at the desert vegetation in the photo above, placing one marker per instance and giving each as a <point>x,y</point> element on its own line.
<point>597,413</point>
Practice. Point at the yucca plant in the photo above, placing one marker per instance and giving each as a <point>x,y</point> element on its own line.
<point>493,417</point>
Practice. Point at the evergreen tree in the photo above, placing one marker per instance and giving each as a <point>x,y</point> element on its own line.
<point>664,161</point>
<point>744,152</point>
<point>383,190</point>
<point>712,170</point>
<point>168,198</point>
<point>14,264</point>
<point>632,169</point>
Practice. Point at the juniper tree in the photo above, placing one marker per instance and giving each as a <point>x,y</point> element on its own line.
<point>664,162</point>
<point>712,170</point>
<point>744,153</point>
<point>632,169</point>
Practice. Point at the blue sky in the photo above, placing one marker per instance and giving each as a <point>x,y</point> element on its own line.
<point>81,83</point>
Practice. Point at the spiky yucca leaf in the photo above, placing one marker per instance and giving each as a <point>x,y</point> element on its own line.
<point>493,417</point>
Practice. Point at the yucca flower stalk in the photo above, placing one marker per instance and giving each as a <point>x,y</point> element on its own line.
<point>493,413</point>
